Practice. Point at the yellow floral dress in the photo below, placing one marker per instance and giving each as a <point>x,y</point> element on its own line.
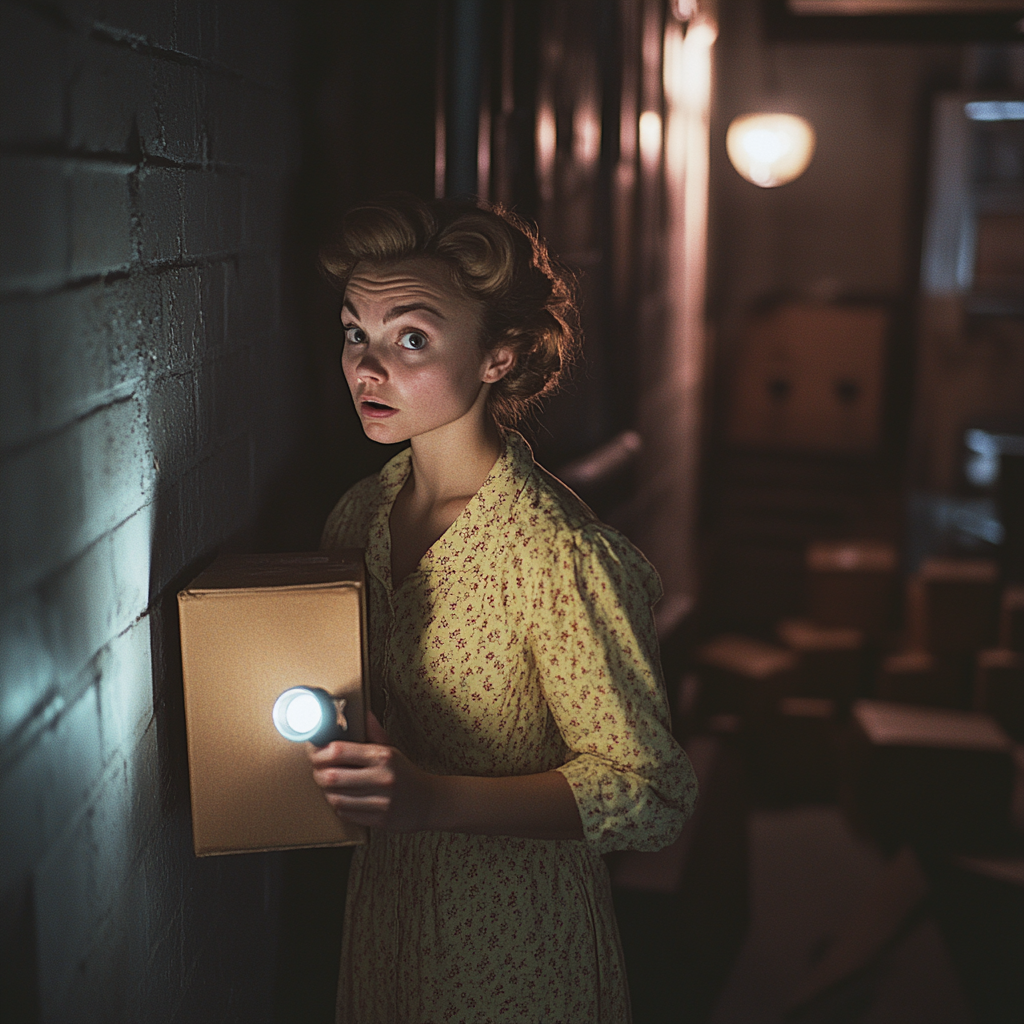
<point>522,642</point>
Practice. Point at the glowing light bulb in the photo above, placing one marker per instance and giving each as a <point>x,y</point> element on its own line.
<point>770,149</point>
<point>765,146</point>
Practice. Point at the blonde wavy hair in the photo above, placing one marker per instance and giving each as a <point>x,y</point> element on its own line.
<point>494,257</point>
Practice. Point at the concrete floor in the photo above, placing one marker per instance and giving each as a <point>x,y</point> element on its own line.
<point>809,874</point>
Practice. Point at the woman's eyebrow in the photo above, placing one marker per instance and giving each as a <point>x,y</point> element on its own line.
<point>408,308</point>
<point>348,304</point>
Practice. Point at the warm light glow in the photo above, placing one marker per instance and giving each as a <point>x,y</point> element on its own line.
<point>687,63</point>
<point>684,10</point>
<point>650,137</point>
<point>687,80</point>
<point>672,413</point>
<point>770,149</point>
<point>547,139</point>
<point>483,152</point>
<point>696,63</point>
<point>587,134</point>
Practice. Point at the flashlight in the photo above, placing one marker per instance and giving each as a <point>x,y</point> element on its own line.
<point>310,713</point>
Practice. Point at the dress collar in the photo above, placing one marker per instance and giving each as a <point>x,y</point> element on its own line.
<point>488,508</point>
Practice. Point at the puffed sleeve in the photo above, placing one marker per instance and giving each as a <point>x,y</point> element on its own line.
<point>349,520</point>
<point>597,656</point>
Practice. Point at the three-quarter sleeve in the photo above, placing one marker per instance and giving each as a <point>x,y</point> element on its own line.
<point>596,653</point>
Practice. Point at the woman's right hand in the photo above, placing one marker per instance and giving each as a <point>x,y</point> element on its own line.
<point>374,783</point>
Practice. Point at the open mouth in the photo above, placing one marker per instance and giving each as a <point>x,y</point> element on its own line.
<point>374,409</point>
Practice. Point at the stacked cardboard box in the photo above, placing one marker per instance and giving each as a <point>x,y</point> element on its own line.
<point>852,584</point>
<point>829,658</point>
<point>787,733</point>
<point>929,773</point>
<point>1011,619</point>
<point>917,677</point>
<point>999,689</point>
<point>743,676</point>
<point>952,606</point>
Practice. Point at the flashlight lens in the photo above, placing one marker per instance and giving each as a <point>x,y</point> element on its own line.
<point>303,713</point>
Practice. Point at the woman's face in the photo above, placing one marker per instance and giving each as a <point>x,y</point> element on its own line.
<point>412,357</point>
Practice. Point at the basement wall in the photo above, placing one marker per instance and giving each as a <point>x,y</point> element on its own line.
<point>150,381</point>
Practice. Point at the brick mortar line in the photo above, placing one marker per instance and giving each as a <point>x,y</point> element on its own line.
<point>110,398</point>
<point>135,265</point>
<point>83,158</point>
<point>36,582</point>
<point>141,384</point>
<point>136,849</point>
<point>200,459</point>
<point>133,163</point>
<point>58,570</point>
<point>55,703</point>
<point>126,39</point>
<point>163,485</point>
<point>106,925</point>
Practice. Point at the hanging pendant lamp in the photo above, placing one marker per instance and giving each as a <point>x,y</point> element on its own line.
<point>770,149</point>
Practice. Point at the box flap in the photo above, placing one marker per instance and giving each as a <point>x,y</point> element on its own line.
<point>297,569</point>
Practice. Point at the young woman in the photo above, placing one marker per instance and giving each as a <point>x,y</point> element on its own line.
<point>520,727</point>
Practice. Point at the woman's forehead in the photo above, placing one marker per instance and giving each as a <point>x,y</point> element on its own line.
<point>419,278</point>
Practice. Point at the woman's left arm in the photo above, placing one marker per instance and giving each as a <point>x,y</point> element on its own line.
<point>634,785</point>
<point>375,784</point>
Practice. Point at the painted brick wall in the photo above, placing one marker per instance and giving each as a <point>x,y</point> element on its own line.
<point>149,389</point>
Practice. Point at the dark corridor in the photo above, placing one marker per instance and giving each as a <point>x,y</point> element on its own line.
<point>804,403</point>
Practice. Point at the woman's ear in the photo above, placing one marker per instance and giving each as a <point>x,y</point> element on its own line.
<point>499,362</point>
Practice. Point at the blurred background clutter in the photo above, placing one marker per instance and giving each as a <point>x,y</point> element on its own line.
<point>798,229</point>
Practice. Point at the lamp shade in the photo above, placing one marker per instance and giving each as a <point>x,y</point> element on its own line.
<point>770,149</point>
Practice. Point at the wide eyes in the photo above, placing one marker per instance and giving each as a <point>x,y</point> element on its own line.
<point>412,340</point>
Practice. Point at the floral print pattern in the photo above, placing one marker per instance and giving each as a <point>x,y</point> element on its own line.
<point>522,642</point>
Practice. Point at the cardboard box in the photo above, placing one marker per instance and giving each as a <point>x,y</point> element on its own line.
<point>253,626</point>
<point>953,606</point>
<point>929,773</point>
<point>830,658</point>
<point>1011,619</point>
<point>852,584</point>
<point>999,689</point>
<point>743,676</point>
<point>794,750</point>
<point>810,377</point>
<point>916,677</point>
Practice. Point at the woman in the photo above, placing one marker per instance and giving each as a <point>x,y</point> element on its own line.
<point>520,725</point>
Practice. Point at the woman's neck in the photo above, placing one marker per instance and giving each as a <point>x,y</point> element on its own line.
<point>452,464</point>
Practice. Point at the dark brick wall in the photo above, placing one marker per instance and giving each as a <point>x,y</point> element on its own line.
<point>151,387</point>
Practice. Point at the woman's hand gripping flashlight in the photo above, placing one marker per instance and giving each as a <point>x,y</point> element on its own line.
<point>374,783</point>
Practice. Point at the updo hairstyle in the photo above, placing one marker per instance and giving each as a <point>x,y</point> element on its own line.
<point>494,257</point>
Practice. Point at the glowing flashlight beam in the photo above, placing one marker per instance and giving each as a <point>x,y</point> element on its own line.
<point>309,713</point>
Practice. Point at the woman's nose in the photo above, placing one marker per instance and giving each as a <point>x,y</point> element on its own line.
<point>368,367</point>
